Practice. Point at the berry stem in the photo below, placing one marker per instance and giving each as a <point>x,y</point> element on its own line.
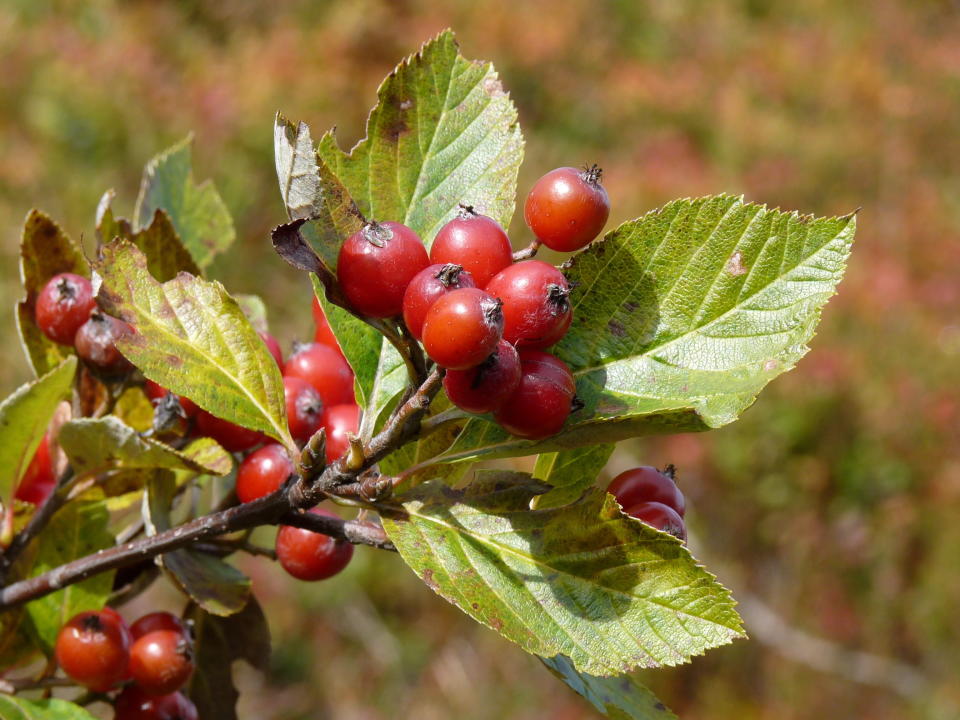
<point>528,252</point>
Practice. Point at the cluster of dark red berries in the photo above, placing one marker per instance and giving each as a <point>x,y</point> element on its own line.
<point>652,496</point>
<point>153,659</point>
<point>479,315</point>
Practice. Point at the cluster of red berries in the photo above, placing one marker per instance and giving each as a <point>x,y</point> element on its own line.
<point>653,497</point>
<point>66,311</point>
<point>479,315</point>
<point>154,657</point>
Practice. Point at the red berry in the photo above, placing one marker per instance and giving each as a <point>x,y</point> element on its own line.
<point>647,484</point>
<point>93,648</point>
<point>476,242</point>
<point>660,516</point>
<point>63,305</point>
<point>134,704</point>
<point>376,264</point>
<point>462,328</point>
<point>262,472</point>
<point>273,346</point>
<point>39,481</point>
<point>487,386</point>
<point>536,305</point>
<point>312,556</point>
<point>96,344</point>
<point>232,438</point>
<point>157,621</point>
<point>426,288</point>
<point>542,401</point>
<point>161,661</point>
<point>326,369</point>
<point>156,392</point>
<point>566,208</point>
<point>338,421</point>
<point>304,408</point>
<point>322,330</point>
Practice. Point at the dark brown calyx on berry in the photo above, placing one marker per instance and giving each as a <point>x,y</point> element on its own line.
<point>93,623</point>
<point>559,299</point>
<point>670,471</point>
<point>576,404</point>
<point>591,174</point>
<point>449,274</point>
<point>377,234</point>
<point>467,212</point>
<point>492,311</point>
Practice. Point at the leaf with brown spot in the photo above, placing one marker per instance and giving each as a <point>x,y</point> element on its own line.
<point>45,251</point>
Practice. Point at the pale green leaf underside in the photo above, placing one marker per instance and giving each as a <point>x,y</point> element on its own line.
<point>193,338</point>
<point>17,708</point>
<point>45,251</point>
<point>620,698</point>
<point>584,580</point>
<point>569,473</point>
<point>197,212</point>
<point>216,586</point>
<point>24,417</point>
<point>682,316</point>
<point>98,445</point>
<point>443,132</point>
<point>77,530</point>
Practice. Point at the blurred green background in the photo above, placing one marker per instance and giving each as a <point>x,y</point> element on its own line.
<point>830,508</point>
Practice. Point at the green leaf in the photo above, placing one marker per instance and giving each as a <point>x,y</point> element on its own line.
<point>24,417</point>
<point>216,586</point>
<point>569,473</point>
<point>682,316</point>
<point>197,212</point>
<point>98,445</point>
<point>389,380</point>
<point>360,343</point>
<point>620,698</point>
<point>255,310</point>
<point>583,580</point>
<point>45,251</point>
<point>135,409</point>
<point>206,453</point>
<point>219,641</point>
<point>166,255</point>
<point>18,708</point>
<point>443,132</point>
<point>77,530</point>
<point>193,338</point>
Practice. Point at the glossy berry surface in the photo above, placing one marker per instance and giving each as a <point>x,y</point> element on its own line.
<point>304,408</point>
<point>322,332</point>
<point>643,484</point>
<point>262,472</point>
<point>428,286</point>
<point>536,305</point>
<point>567,208</point>
<point>96,344</point>
<point>376,264</point>
<point>232,438</point>
<point>476,242</point>
<point>487,386</point>
<point>134,704</point>
<point>312,556</point>
<point>542,401</point>
<point>63,305</point>
<point>161,661</point>
<point>338,421</point>
<point>326,369</point>
<point>273,346</point>
<point>39,480</point>
<point>462,328</point>
<point>157,621</point>
<point>157,392</point>
<point>93,648</point>
<point>660,516</point>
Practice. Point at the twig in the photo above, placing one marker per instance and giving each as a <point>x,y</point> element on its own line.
<point>279,507</point>
<point>528,252</point>
<point>11,687</point>
<point>37,522</point>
